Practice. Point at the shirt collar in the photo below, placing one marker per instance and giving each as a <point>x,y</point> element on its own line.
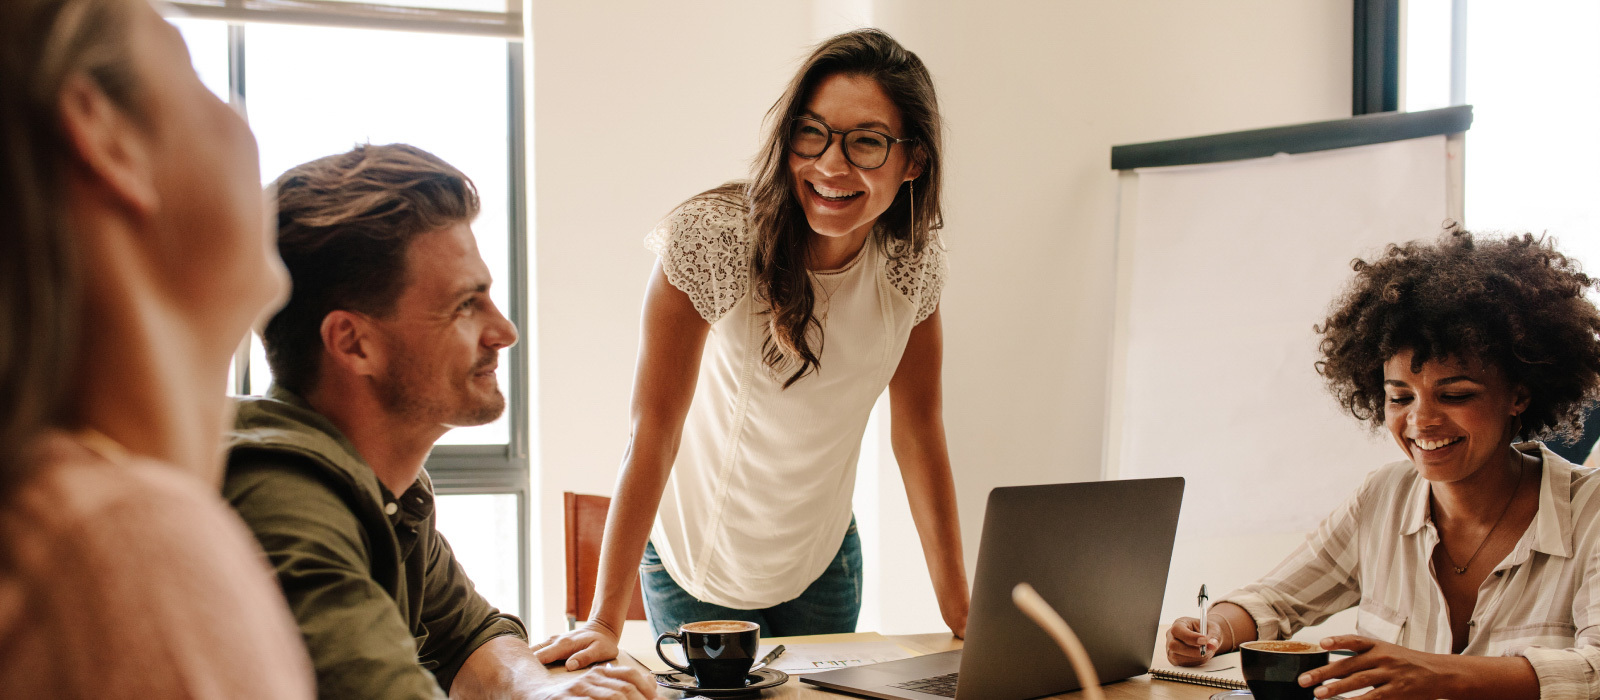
<point>1416,512</point>
<point>1551,529</point>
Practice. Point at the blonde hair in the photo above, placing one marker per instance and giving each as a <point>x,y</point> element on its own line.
<point>344,223</point>
<point>43,44</point>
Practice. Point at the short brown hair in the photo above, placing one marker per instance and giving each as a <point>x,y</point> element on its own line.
<point>1516,304</point>
<point>344,224</point>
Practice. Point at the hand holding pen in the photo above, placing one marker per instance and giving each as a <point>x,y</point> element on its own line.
<point>1192,641</point>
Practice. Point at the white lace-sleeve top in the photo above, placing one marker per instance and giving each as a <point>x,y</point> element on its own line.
<point>760,492</point>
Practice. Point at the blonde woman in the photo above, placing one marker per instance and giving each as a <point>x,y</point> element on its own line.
<point>134,259</point>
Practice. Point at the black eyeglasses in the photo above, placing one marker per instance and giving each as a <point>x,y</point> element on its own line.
<point>864,148</point>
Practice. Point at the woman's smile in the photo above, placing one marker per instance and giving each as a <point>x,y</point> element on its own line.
<point>831,198</point>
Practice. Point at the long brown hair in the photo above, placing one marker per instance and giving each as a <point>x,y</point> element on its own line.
<point>781,235</point>
<point>43,43</point>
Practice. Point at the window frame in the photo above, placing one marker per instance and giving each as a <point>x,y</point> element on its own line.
<point>1375,48</point>
<point>454,469</point>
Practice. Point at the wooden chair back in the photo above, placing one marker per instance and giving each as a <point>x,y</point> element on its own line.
<point>586,524</point>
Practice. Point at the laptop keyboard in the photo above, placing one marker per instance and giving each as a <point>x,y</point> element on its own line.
<point>943,686</point>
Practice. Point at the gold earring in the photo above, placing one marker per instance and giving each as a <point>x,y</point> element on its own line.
<point>911,198</point>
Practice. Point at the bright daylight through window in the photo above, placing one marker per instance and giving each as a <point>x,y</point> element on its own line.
<point>1532,76</point>
<point>309,92</point>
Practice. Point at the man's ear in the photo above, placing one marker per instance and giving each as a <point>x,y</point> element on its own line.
<point>111,147</point>
<point>349,341</point>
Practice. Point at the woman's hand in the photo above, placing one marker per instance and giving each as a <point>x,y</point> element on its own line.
<point>956,617</point>
<point>1184,640</point>
<point>670,343</point>
<point>1392,671</point>
<point>590,643</point>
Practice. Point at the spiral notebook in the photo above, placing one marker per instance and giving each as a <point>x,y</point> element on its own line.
<point>1220,672</point>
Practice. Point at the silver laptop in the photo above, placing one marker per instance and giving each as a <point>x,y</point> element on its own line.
<point>1098,552</point>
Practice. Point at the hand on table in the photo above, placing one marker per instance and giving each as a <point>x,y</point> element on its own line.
<point>590,643</point>
<point>1184,640</point>
<point>956,620</point>
<point>608,682</point>
<point>1392,671</point>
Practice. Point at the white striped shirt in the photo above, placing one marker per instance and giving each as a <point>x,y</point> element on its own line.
<point>1375,553</point>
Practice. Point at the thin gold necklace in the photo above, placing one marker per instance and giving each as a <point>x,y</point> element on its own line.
<point>827,296</point>
<point>1492,528</point>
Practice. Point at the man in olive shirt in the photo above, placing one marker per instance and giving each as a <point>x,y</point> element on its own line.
<point>388,340</point>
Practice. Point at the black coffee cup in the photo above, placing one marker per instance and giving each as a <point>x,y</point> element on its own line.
<point>1272,668</point>
<point>720,652</point>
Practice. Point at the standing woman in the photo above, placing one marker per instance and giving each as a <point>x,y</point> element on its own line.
<point>779,311</point>
<point>133,259</point>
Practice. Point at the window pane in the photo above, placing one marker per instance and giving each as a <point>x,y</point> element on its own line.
<point>1533,79</point>
<point>482,529</point>
<point>208,50</point>
<point>475,5</point>
<point>1427,47</point>
<point>260,373</point>
<point>316,91</point>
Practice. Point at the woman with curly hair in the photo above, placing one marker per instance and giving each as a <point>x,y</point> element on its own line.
<point>1473,562</point>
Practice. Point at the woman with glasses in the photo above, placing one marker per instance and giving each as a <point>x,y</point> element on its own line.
<point>779,311</point>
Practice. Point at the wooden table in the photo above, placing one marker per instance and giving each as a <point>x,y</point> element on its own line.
<point>1136,688</point>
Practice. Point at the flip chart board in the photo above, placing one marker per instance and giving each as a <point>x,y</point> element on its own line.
<point>1223,269</point>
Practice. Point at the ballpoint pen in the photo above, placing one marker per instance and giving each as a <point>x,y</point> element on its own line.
<point>769,658</point>
<point>1205,605</point>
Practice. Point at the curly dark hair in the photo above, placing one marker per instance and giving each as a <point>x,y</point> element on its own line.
<point>1514,303</point>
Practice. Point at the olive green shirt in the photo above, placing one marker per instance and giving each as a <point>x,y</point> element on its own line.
<point>385,609</point>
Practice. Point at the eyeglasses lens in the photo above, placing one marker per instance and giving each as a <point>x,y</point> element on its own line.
<point>867,149</point>
<point>808,139</point>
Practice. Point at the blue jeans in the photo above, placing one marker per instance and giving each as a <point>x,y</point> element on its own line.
<point>830,604</point>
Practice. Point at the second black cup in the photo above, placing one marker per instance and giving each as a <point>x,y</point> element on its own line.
<point>720,652</point>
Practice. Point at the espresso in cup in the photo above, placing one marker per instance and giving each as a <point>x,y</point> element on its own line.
<point>720,652</point>
<point>1272,668</point>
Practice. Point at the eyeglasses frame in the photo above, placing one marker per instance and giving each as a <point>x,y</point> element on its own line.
<point>843,135</point>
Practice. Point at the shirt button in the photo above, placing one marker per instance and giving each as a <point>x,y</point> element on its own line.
<point>391,508</point>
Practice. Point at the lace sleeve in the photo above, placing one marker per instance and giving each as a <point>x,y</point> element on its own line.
<point>919,276</point>
<point>704,252</point>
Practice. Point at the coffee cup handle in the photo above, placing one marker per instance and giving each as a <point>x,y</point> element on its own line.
<point>665,636</point>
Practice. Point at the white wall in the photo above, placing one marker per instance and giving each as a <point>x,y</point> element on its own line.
<point>637,105</point>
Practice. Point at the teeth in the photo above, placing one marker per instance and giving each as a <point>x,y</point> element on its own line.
<point>833,193</point>
<point>1431,445</point>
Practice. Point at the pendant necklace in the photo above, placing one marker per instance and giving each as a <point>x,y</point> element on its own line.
<point>827,296</point>
<point>1463,568</point>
